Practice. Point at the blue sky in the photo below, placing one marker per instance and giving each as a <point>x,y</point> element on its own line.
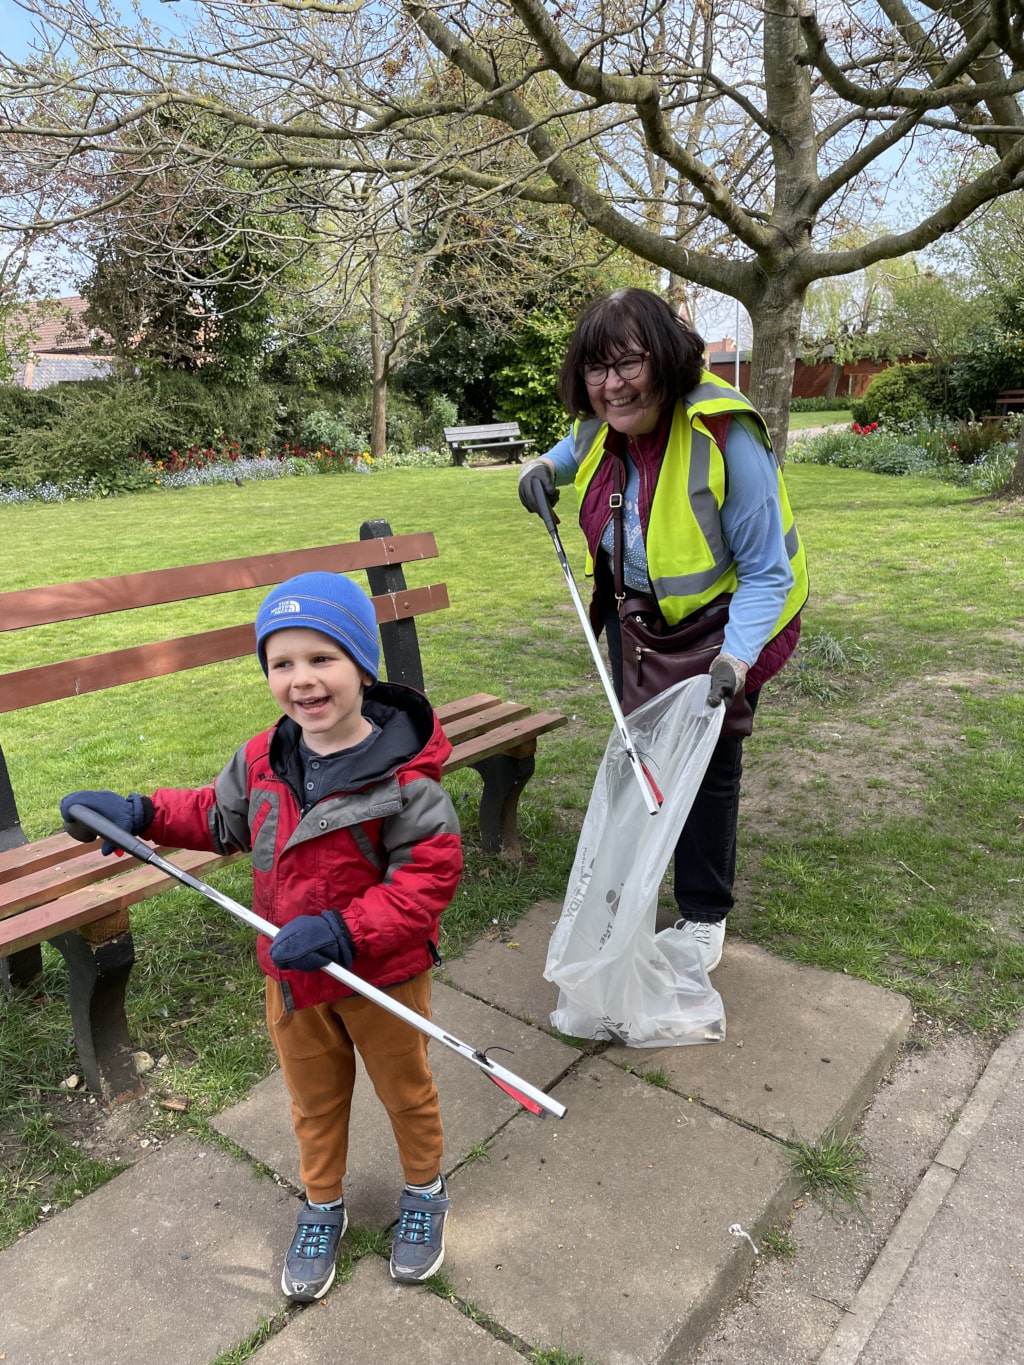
<point>16,23</point>
<point>16,28</point>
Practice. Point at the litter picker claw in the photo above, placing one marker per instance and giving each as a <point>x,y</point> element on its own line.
<point>536,1101</point>
<point>652,796</point>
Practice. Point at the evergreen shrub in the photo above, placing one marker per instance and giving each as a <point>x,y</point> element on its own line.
<point>91,435</point>
<point>901,393</point>
<point>992,362</point>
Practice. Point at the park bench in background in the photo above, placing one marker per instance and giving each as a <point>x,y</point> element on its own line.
<point>61,891</point>
<point>1007,403</point>
<point>499,438</point>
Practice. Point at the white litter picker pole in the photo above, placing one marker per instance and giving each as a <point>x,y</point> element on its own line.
<point>536,1101</point>
<point>652,797</point>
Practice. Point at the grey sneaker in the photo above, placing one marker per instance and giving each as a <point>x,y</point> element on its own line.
<point>309,1265</point>
<point>708,939</point>
<point>418,1248</point>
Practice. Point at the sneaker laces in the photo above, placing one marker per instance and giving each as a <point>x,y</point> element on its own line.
<point>699,929</point>
<point>415,1224</point>
<point>314,1239</point>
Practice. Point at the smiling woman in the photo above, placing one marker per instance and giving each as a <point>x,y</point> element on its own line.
<point>687,520</point>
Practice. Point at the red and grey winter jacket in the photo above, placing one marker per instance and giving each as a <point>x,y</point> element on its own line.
<point>385,851</point>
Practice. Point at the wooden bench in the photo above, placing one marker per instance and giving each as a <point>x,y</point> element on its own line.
<point>58,890</point>
<point>499,438</point>
<point>1007,403</point>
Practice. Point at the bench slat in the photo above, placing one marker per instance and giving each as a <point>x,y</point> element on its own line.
<point>96,596</point>
<point>493,445</point>
<point>89,904</point>
<point>516,733</point>
<point>71,874</point>
<point>25,859</point>
<point>468,726</point>
<point>94,672</point>
<point>496,430</point>
<point>466,706</point>
<point>57,879</point>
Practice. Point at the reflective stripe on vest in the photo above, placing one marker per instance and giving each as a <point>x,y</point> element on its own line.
<point>689,562</point>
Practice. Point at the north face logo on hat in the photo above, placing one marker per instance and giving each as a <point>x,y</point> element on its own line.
<point>290,606</point>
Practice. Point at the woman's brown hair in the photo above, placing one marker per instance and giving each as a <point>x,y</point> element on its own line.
<point>624,322</point>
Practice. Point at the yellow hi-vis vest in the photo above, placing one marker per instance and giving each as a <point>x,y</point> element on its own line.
<point>688,560</point>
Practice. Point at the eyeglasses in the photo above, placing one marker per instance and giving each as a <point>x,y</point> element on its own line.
<point>626,367</point>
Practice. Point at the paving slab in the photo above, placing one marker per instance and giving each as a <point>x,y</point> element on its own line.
<point>175,1260</point>
<point>804,1048</point>
<point>373,1319</point>
<point>471,1107</point>
<point>608,1234</point>
<point>507,970</point>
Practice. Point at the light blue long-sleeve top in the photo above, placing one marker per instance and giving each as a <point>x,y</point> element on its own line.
<point>751,523</point>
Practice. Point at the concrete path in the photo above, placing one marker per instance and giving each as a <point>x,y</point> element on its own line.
<point>949,1284</point>
<point>618,1234</point>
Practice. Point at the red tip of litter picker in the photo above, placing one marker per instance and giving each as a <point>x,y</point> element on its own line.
<point>653,785</point>
<point>524,1100</point>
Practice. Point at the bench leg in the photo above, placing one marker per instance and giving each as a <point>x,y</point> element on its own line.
<point>504,777</point>
<point>21,970</point>
<point>97,978</point>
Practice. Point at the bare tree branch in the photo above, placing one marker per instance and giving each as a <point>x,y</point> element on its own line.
<point>727,144</point>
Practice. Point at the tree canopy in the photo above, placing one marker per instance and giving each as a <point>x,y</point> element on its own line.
<point>728,144</point>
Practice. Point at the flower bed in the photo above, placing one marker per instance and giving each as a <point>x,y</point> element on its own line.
<point>967,453</point>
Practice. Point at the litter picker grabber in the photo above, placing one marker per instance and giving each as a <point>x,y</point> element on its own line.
<point>652,796</point>
<point>536,1101</point>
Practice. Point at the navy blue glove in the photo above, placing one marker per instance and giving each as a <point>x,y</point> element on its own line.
<point>310,942</point>
<point>132,813</point>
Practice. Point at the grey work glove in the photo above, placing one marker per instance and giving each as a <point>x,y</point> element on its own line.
<point>537,479</point>
<point>728,674</point>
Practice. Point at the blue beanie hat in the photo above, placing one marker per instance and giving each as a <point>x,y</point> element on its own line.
<point>329,603</point>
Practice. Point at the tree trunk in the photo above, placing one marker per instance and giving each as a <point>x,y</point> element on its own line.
<point>378,363</point>
<point>379,432</point>
<point>773,362</point>
<point>833,379</point>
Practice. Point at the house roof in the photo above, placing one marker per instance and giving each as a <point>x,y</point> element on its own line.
<point>60,330</point>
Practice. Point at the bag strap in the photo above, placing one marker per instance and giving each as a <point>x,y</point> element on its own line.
<point>617,518</point>
<point>633,603</point>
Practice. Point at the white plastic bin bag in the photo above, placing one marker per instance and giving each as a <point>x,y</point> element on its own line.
<point>617,977</point>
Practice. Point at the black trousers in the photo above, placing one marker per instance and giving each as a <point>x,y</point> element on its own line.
<point>705,857</point>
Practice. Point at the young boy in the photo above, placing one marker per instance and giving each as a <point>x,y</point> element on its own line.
<point>355,853</point>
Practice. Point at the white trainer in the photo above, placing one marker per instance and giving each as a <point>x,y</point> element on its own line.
<point>708,938</point>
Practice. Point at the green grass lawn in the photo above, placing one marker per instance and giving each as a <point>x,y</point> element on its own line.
<point>883,792</point>
<point>801,421</point>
